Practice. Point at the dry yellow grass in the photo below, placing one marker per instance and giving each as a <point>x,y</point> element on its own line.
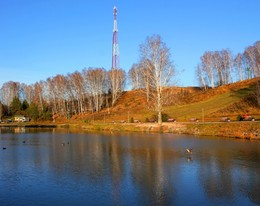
<point>229,100</point>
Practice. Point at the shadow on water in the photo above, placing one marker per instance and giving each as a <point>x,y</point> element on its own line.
<point>60,166</point>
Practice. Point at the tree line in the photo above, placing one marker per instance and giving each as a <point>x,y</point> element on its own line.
<point>75,93</point>
<point>218,68</point>
<point>93,89</point>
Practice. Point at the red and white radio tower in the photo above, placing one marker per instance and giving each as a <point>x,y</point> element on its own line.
<point>115,46</point>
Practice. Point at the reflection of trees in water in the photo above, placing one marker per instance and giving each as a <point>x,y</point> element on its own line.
<point>223,177</point>
<point>142,168</point>
<point>215,177</point>
<point>84,157</point>
<point>151,173</point>
<point>113,160</point>
<point>249,179</point>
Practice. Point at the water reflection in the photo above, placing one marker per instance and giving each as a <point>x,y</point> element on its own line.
<point>65,167</point>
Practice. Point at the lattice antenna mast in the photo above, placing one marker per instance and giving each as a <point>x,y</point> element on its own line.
<point>115,46</point>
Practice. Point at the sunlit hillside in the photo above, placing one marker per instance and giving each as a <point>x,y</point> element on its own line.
<point>210,105</point>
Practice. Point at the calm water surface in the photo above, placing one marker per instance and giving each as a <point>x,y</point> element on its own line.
<point>63,167</point>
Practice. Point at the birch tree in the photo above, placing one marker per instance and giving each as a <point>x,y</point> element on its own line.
<point>239,66</point>
<point>77,83</point>
<point>116,79</point>
<point>38,95</point>
<point>135,76</point>
<point>218,65</point>
<point>257,55</point>
<point>96,78</point>
<point>251,57</point>
<point>158,71</point>
<point>9,90</point>
<point>27,92</point>
<point>201,77</point>
<point>207,63</point>
<point>227,65</point>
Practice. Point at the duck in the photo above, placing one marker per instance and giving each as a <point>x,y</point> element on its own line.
<point>4,148</point>
<point>24,141</point>
<point>189,151</point>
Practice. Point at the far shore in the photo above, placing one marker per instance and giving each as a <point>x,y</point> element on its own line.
<point>241,130</point>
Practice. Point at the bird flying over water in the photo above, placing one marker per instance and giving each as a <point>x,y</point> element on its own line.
<point>189,150</point>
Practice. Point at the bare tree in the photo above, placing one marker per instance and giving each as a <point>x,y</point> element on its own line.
<point>77,88</point>
<point>257,55</point>
<point>238,62</point>
<point>135,76</point>
<point>250,54</point>
<point>227,65</point>
<point>97,85</point>
<point>51,97</point>
<point>9,90</point>
<point>147,74</point>
<point>201,76</point>
<point>207,63</point>
<point>158,71</point>
<point>27,92</point>
<point>61,86</point>
<point>218,67</point>
<point>57,87</point>
<point>38,95</point>
<point>116,79</point>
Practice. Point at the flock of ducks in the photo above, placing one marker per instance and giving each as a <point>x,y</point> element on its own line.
<point>4,148</point>
<point>63,144</point>
<point>188,150</point>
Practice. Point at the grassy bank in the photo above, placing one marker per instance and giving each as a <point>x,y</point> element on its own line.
<point>29,124</point>
<point>243,130</point>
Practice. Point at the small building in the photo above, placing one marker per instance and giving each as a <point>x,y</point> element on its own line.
<point>21,118</point>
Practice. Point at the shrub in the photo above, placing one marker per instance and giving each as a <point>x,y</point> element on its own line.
<point>165,117</point>
<point>239,118</point>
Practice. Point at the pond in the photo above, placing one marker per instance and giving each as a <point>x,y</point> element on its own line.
<point>70,167</point>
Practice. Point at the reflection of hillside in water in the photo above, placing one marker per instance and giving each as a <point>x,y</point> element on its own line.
<point>153,169</point>
<point>156,170</point>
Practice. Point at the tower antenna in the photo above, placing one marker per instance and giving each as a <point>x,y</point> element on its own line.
<point>115,46</point>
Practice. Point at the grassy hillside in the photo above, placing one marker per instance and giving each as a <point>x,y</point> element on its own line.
<point>229,100</point>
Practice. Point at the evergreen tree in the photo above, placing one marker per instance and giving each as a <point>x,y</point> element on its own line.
<point>16,106</point>
<point>25,105</point>
<point>33,112</point>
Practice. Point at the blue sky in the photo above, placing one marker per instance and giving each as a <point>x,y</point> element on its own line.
<point>43,38</point>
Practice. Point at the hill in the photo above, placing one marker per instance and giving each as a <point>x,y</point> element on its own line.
<point>186,103</point>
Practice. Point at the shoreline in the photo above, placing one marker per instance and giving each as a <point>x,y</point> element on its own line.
<point>240,130</point>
